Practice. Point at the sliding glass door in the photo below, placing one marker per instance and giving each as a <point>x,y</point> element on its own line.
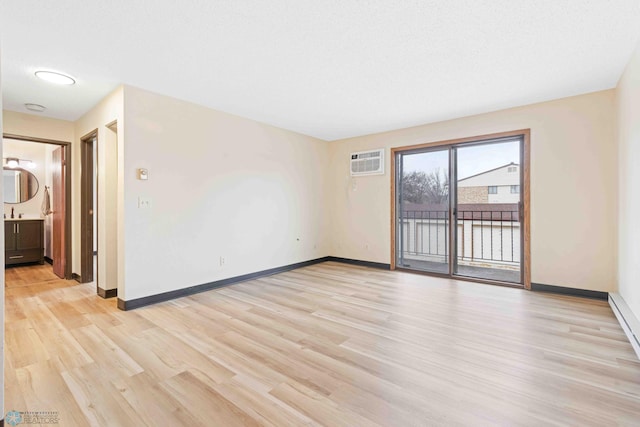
<point>488,206</point>
<point>477,187</point>
<point>422,208</point>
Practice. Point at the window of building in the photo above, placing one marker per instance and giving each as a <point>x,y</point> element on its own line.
<point>493,189</point>
<point>515,189</point>
<point>512,169</point>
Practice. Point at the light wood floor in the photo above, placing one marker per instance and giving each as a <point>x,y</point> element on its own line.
<point>328,344</point>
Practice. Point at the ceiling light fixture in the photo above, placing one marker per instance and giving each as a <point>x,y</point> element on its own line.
<point>14,162</point>
<point>35,107</point>
<point>53,77</point>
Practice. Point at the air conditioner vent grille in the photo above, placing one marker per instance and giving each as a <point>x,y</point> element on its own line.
<point>367,163</point>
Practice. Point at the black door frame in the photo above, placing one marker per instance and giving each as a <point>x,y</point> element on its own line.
<point>87,208</point>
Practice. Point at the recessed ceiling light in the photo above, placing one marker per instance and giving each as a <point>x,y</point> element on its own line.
<point>54,77</point>
<point>35,107</point>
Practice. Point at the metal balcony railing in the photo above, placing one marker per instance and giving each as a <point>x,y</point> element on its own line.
<point>489,236</point>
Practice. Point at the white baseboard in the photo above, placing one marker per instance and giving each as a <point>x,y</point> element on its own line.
<point>628,321</point>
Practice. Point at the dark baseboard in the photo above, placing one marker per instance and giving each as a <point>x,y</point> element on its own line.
<point>48,260</point>
<point>584,293</point>
<point>107,293</point>
<point>166,296</point>
<point>361,263</point>
<point>76,277</point>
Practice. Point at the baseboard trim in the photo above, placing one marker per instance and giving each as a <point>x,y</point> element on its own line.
<point>76,277</point>
<point>48,260</point>
<point>371,264</point>
<point>107,293</point>
<point>166,296</point>
<point>629,323</point>
<point>584,293</point>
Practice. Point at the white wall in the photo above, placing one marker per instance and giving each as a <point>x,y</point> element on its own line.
<point>107,111</point>
<point>219,186</point>
<point>573,188</point>
<point>37,153</point>
<point>108,199</point>
<point>37,126</point>
<point>628,114</point>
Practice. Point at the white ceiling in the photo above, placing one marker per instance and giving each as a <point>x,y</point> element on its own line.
<point>327,68</point>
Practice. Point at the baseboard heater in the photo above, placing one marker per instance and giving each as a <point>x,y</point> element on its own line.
<point>628,321</point>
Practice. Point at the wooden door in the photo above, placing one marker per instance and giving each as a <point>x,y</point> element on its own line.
<point>58,195</point>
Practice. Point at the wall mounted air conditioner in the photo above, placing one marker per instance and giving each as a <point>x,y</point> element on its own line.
<point>367,163</point>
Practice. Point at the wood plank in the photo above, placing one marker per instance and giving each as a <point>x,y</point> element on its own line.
<point>328,344</point>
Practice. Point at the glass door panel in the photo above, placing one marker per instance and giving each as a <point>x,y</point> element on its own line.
<point>423,207</point>
<point>487,215</point>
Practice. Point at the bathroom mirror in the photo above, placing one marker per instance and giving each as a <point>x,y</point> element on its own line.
<point>19,185</point>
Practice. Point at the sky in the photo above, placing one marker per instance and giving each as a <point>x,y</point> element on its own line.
<point>471,160</point>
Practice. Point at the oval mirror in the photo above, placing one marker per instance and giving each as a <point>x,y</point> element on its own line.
<point>19,185</point>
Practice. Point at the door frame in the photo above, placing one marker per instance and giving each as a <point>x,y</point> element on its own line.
<point>525,176</point>
<point>87,208</point>
<point>68,274</point>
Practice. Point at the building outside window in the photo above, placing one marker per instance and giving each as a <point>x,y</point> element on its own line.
<point>493,189</point>
<point>515,189</point>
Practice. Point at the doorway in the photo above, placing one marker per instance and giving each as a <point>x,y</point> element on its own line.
<point>88,208</point>
<point>461,208</point>
<point>54,170</point>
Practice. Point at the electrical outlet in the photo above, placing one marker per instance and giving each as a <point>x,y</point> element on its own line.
<point>223,261</point>
<point>144,202</point>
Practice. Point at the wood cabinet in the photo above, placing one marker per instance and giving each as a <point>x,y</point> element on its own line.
<point>23,241</point>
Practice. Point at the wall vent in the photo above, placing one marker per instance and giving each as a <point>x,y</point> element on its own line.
<point>367,163</point>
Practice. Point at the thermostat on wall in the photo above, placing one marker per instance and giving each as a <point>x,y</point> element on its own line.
<point>143,174</point>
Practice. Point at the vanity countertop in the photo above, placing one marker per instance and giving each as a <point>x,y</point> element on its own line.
<point>24,219</point>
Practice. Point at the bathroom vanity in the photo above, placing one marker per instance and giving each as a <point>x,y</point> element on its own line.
<point>23,237</point>
<point>23,241</point>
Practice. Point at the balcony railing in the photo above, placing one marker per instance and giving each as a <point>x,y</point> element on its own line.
<point>483,237</point>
